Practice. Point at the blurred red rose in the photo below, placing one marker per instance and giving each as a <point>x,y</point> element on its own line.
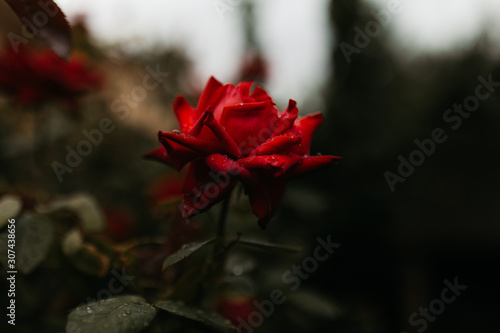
<point>32,77</point>
<point>234,134</point>
<point>120,223</point>
<point>254,67</point>
<point>233,307</point>
<point>164,190</point>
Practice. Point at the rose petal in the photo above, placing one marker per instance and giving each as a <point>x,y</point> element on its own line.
<point>310,164</point>
<point>229,95</point>
<point>305,128</point>
<point>217,96</point>
<point>287,118</point>
<point>244,88</point>
<point>225,139</point>
<point>265,200</point>
<point>210,90</point>
<point>277,144</point>
<point>249,124</point>
<point>260,95</point>
<point>200,124</point>
<point>220,164</point>
<point>176,158</point>
<point>278,163</point>
<point>201,146</point>
<point>203,188</point>
<point>264,192</point>
<point>185,113</point>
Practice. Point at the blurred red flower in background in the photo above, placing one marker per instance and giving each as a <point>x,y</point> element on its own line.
<point>33,77</point>
<point>234,307</point>
<point>120,223</point>
<point>234,134</point>
<point>165,190</point>
<point>254,67</point>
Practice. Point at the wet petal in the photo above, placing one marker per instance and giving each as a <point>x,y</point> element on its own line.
<point>310,164</point>
<point>201,146</point>
<point>226,141</point>
<point>278,164</point>
<point>202,188</point>
<point>277,144</point>
<point>185,113</point>
<point>305,128</point>
<point>250,124</point>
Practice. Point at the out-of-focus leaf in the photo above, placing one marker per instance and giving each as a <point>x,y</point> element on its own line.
<point>84,256</point>
<point>315,304</point>
<point>85,206</point>
<point>10,206</point>
<point>268,246</point>
<point>123,314</point>
<point>90,260</point>
<point>72,242</point>
<point>185,252</point>
<point>34,236</point>
<point>208,318</point>
<point>46,21</point>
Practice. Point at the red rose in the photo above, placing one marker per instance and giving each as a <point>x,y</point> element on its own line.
<point>234,307</point>
<point>234,134</point>
<point>254,67</point>
<point>34,77</point>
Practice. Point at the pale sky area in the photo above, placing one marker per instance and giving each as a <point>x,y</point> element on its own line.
<point>293,33</point>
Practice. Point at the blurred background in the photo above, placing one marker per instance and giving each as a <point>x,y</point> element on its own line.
<point>384,73</point>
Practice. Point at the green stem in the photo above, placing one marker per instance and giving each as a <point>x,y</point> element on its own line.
<point>221,226</point>
<point>214,266</point>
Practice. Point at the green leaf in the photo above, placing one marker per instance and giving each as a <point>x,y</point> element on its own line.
<point>268,246</point>
<point>34,236</point>
<point>185,252</point>
<point>123,314</point>
<point>54,31</point>
<point>211,319</point>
